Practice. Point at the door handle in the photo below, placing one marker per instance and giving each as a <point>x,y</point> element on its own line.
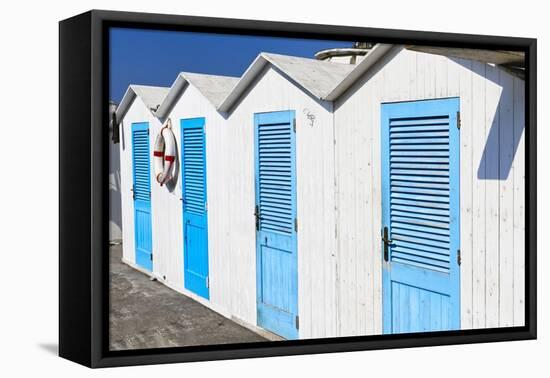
<point>387,242</point>
<point>257,217</point>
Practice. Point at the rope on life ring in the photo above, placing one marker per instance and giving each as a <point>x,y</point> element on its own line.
<point>164,154</point>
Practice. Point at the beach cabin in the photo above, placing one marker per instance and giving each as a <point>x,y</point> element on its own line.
<point>136,118</point>
<point>279,213</point>
<point>430,191</point>
<point>189,208</point>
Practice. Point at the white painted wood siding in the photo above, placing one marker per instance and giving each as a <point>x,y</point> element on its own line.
<point>491,194</point>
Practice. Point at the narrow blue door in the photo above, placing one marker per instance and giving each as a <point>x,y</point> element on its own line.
<point>421,216</point>
<point>142,195</point>
<point>195,224</point>
<point>276,255</point>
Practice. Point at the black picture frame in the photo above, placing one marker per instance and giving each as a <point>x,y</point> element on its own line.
<point>83,195</point>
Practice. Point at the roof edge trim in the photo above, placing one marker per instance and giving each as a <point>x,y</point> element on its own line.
<point>374,55</point>
<point>170,100</point>
<point>125,103</point>
<point>246,79</point>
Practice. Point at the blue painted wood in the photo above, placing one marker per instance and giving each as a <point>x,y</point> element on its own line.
<point>421,208</point>
<point>276,252</point>
<point>195,212</point>
<point>142,195</point>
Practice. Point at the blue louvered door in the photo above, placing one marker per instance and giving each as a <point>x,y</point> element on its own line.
<point>195,222</point>
<point>276,254</point>
<point>421,216</point>
<point>142,195</point>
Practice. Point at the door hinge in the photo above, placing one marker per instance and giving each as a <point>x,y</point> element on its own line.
<point>458,120</point>
<point>151,256</point>
<point>206,206</point>
<point>208,282</point>
<point>297,321</point>
<point>295,224</point>
<point>458,257</point>
<point>294,124</point>
<point>387,242</point>
<point>147,131</point>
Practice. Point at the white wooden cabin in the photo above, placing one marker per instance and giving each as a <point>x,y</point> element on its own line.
<point>295,86</point>
<point>491,192</point>
<point>193,97</point>
<point>136,108</point>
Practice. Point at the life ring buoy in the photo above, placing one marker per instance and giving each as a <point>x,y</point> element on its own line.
<point>164,154</point>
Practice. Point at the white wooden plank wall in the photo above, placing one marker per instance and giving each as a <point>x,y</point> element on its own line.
<point>492,210</point>
<point>519,203</point>
<point>166,218</point>
<point>492,193</point>
<point>506,200</point>
<point>192,104</point>
<point>479,136</point>
<point>465,84</point>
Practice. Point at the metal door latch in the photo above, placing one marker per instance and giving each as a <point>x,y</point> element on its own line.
<point>387,242</point>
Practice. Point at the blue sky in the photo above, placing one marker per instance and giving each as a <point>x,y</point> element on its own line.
<point>151,57</point>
